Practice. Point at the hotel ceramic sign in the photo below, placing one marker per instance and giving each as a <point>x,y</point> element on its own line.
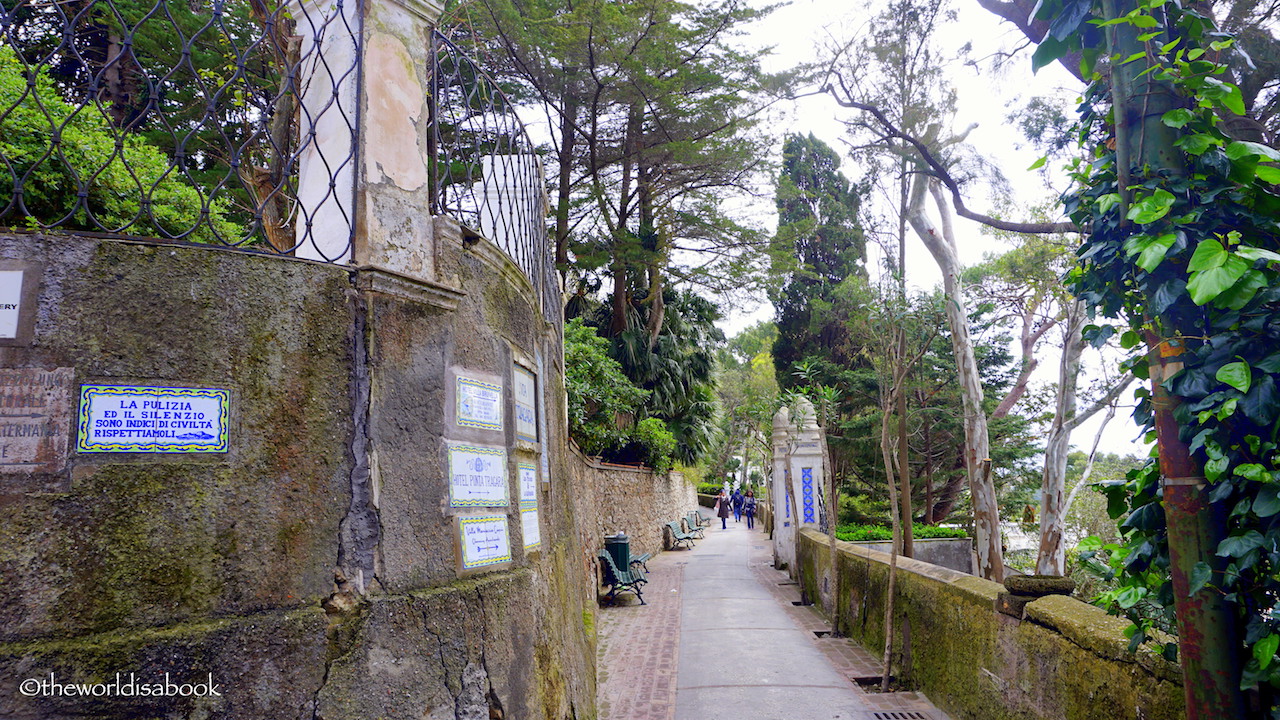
<point>479,404</point>
<point>477,476</point>
<point>120,418</point>
<point>484,541</point>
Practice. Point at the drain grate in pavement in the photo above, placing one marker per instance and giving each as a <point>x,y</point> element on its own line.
<point>801,603</point>
<point>821,633</point>
<point>789,582</point>
<point>899,715</point>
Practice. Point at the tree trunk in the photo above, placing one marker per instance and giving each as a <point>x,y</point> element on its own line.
<point>940,242</point>
<point>1051,560</point>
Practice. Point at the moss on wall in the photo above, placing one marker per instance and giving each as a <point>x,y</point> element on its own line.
<point>1066,661</point>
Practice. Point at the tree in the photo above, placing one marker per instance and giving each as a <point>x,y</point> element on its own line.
<point>817,246</point>
<point>653,113</point>
<point>115,173</point>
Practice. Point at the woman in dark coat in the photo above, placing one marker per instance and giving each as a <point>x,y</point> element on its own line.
<point>749,508</point>
<point>722,508</point>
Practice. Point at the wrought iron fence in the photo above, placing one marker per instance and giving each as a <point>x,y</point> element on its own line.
<point>229,122</point>
<point>486,171</point>
<point>235,123</point>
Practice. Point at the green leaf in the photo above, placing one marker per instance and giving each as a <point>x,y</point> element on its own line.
<point>1240,545</point>
<point>1039,163</point>
<point>1196,144</point>
<point>1209,254</point>
<point>1254,472</point>
<point>1154,253</point>
<point>1267,502</point>
<point>1264,651</point>
<point>1106,202</point>
<point>1048,51</point>
<point>1153,207</point>
<point>1209,284</point>
<point>1236,375</point>
<point>1241,148</point>
<point>1234,101</point>
<point>1177,118</point>
<point>1130,596</point>
<point>1215,467</point>
<point>1200,576</point>
<point>1268,174</point>
<point>1252,253</point>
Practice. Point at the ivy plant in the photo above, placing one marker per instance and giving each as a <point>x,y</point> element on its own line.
<point>1187,252</point>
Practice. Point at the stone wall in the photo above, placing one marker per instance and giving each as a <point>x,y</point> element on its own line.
<point>1065,660</point>
<point>312,570</point>
<point>951,553</point>
<point>629,499</point>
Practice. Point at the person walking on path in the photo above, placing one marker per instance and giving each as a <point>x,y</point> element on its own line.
<point>749,508</point>
<point>722,508</point>
<point>737,505</point>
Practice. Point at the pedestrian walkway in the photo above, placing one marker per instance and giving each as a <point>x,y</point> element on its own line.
<point>723,638</point>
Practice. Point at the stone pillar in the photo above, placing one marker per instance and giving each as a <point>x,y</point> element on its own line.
<point>378,186</point>
<point>805,465</point>
<point>784,526</point>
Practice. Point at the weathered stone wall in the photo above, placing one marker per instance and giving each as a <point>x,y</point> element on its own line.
<point>313,569</point>
<point>636,501</point>
<point>1066,660</point>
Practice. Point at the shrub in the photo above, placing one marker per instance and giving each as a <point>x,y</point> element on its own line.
<point>658,442</point>
<point>119,169</point>
<point>861,533</point>
<point>598,391</point>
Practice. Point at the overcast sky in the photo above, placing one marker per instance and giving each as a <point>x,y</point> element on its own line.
<point>984,98</point>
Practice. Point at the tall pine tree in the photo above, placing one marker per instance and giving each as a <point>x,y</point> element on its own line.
<point>818,244</point>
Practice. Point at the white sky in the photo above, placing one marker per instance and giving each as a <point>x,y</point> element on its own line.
<point>795,31</point>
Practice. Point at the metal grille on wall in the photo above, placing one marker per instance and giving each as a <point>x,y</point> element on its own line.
<point>227,122</point>
<point>486,172</point>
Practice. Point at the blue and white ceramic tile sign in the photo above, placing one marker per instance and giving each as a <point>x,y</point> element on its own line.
<point>484,541</point>
<point>479,404</point>
<point>528,475</point>
<point>477,476</point>
<point>124,418</point>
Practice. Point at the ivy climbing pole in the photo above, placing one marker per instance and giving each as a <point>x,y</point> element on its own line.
<point>1182,247</point>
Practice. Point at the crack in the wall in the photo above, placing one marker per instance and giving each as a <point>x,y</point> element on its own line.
<point>360,532</point>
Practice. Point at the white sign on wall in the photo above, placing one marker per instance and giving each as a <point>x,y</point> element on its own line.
<point>529,527</point>
<point>479,404</point>
<point>526,391</point>
<point>118,418</point>
<point>528,475</point>
<point>477,476</point>
<point>484,541</point>
<point>10,302</point>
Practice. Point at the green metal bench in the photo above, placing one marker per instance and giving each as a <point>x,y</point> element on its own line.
<point>620,580</point>
<point>695,527</point>
<point>679,536</point>
<point>642,561</point>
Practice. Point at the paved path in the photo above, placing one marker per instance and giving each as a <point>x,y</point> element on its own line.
<point>720,639</point>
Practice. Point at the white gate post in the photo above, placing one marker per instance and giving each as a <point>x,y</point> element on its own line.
<point>784,526</point>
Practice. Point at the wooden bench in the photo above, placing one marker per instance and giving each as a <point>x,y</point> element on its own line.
<point>679,536</point>
<point>620,580</point>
